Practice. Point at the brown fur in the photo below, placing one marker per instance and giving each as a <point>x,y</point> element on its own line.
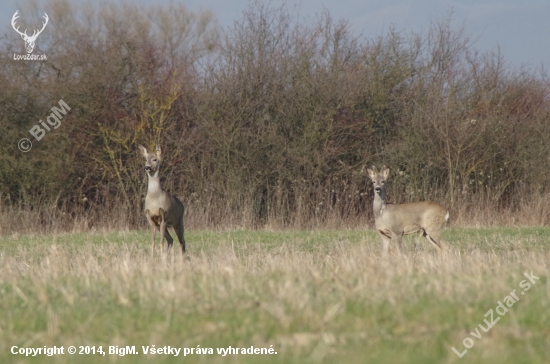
<point>395,220</point>
<point>162,209</point>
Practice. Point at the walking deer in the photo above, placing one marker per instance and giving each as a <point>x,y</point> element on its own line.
<point>395,220</point>
<point>162,209</point>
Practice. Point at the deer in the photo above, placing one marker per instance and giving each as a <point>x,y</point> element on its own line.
<point>161,209</point>
<point>29,41</point>
<point>395,220</point>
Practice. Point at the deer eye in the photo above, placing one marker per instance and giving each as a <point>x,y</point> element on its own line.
<point>154,160</point>
<point>382,182</point>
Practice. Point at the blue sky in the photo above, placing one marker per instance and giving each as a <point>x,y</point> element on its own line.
<point>521,28</point>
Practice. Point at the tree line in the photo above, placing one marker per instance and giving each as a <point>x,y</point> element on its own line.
<point>271,121</point>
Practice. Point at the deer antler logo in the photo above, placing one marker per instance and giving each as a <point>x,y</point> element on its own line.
<point>29,41</point>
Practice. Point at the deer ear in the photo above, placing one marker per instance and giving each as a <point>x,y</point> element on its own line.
<point>371,173</point>
<point>158,150</point>
<point>143,151</point>
<point>385,172</point>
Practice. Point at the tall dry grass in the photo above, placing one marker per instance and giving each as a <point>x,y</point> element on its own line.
<point>321,296</point>
<point>216,214</point>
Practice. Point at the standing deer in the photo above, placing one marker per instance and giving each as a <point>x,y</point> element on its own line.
<point>395,220</point>
<point>162,209</point>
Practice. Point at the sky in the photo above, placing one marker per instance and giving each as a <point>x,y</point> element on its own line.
<point>519,28</point>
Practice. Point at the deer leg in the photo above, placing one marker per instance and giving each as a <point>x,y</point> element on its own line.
<point>399,240</point>
<point>179,232</point>
<point>421,233</point>
<point>435,239</point>
<point>170,241</point>
<point>162,228</point>
<point>162,234</point>
<point>154,228</point>
<point>385,243</point>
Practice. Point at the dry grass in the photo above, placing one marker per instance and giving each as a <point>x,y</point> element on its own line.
<point>48,219</point>
<point>322,296</point>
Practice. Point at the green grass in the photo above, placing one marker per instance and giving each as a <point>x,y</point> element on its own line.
<point>315,296</point>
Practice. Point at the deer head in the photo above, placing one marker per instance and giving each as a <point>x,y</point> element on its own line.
<point>153,160</point>
<point>29,41</point>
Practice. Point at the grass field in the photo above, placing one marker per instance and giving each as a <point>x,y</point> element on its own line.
<point>313,296</point>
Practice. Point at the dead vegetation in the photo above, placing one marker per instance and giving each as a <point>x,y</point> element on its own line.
<point>325,296</point>
<point>268,123</point>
